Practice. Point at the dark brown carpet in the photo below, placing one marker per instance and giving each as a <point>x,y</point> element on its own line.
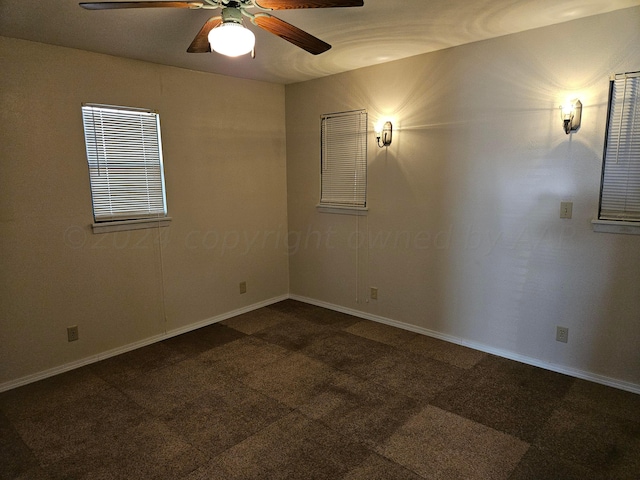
<point>294,391</point>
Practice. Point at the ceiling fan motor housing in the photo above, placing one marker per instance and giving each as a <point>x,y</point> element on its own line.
<point>232,15</point>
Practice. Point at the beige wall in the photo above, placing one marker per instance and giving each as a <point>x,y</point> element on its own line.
<point>462,237</point>
<point>224,151</point>
<point>465,238</point>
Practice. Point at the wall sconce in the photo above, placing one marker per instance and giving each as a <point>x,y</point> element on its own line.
<point>571,115</point>
<point>384,133</point>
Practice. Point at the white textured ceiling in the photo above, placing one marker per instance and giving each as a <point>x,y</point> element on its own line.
<point>381,31</point>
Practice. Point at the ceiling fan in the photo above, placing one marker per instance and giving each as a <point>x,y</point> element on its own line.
<point>226,33</point>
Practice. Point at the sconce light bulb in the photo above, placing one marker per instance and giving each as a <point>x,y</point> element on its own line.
<point>384,131</point>
<point>571,112</point>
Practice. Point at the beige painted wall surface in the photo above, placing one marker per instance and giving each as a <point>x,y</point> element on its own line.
<point>224,152</point>
<point>463,235</point>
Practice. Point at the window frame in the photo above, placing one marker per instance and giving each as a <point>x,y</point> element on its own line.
<point>127,141</point>
<point>333,195</point>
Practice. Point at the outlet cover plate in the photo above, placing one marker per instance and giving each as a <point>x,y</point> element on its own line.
<point>72,333</point>
<point>562,334</point>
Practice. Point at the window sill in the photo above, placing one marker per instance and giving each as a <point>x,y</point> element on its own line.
<point>123,225</point>
<point>615,226</point>
<point>342,210</point>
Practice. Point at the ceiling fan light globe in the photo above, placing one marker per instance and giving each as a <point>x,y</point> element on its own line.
<point>231,39</point>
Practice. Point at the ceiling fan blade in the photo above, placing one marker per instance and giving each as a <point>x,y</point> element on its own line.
<point>287,4</point>
<point>113,5</point>
<point>292,34</point>
<point>200,44</point>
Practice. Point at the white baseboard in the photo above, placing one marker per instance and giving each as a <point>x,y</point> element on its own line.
<point>133,346</point>
<point>573,372</point>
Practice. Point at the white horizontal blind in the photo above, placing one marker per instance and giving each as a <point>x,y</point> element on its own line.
<point>620,194</point>
<point>344,159</point>
<point>124,152</point>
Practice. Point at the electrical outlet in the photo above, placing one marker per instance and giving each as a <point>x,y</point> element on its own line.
<point>374,293</point>
<point>72,333</point>
<point>243,287</point>
<point>562,334</point>
<point>566,209</point>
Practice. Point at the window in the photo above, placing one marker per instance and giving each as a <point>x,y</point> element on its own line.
<point>343,176</point>
<point>620,189</point>
<point>124,153</point>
